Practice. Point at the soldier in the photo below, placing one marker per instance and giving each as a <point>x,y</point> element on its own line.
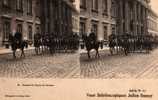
<point>18,37</point>
<point>93,36</point>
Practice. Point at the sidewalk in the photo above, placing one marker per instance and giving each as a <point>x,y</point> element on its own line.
<point>7,51</point>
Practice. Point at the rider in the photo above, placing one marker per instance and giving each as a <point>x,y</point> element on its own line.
<point>93,37</point>
<point>18,37</point>
<point>37,39</point>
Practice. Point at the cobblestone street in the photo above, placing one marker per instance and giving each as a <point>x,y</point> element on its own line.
<point>46,66</point>
<point>137,65</point>
<point>73,65</point>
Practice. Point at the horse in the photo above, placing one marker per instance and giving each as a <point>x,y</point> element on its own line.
<point>17,44</point>
<point>90,44</point>
<point>37,42</point>
<point>112,43</point>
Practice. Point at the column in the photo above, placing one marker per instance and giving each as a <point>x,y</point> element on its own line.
<point>34,12</point>
<point>135,16</point>
<point>139,18</point>
<point>146,20</point>
<point>1,32</point>
<point>120,17</point>
<point>0,26</point>
<point>100,31</point>
<point>45,19</point>
<point>52,16</point>
<point>88,25</point>
<point>126,16</point>
<point>143,19</point>
<point>24,24</point>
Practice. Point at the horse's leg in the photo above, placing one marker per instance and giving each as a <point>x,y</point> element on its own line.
<point>111,50</point>
<point>22,52</point>
<point>39,49</point>
<point>89,54</point>
<point>97,53</point>
<point>14,56</point>
<point>125,50</point>
<point>35,50</point>
<point>42,48</point>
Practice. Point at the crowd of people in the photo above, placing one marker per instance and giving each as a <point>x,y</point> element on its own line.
<point>132,43</point>
<point>53,43</point>
<point>57,43</point>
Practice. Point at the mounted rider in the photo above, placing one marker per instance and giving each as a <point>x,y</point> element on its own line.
<point>112,39</point>
<point>18,38</point>
<point>37,39</point>
<point>93,38</point>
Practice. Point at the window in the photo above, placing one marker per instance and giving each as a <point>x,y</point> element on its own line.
<point>83,4</point>
<point>37,9</point>
<point>30,32</point>
<point>94,28</point>
<point>82,28</point>
<point>94,5</point>
<point>105,7</point>
<point>113,29</point>
<point>105,33</point>
<point>113,8</point>
<point>6,3</point>
<point>19,5</point>
<point>29,7</point>
<point>19,28</point>
<point>37,30</point>
<point>6,30</point>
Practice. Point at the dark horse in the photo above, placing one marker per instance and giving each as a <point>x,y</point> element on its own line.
<point>112,43</point>
<point>91,43</point>
<point>17,43</point>
<point>37,42</point>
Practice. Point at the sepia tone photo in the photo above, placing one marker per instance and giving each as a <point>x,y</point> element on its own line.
<point>79,39</point>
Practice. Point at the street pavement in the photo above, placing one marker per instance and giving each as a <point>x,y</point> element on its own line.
<point>135,66</point>
<point>77,65</point>
<point>62,65</point>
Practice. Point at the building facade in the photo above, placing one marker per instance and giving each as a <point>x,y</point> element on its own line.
<point>57,16</point>
<point>76,17</point>
<point>105,17</point>
<point>152,23</point>
<point>132,16</point>
<point>18,16</point>
<point>98,16</point>
<point>63,17</point>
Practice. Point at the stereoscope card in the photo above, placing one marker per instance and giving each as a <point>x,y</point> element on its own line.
<point>78,49</point>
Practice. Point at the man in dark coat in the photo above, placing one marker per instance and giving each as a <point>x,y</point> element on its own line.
<point>18,37</point>
<point>93,36</point>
